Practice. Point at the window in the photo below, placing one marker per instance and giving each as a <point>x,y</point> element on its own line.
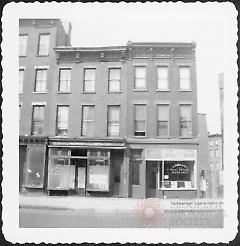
<point>19,111</point>
<point>22,45</point>
<point>140,78</point>
<point>163,120</point>
<point>113,120</point>
<point>62,120</point>
<point>43,45</point>
<point>211,143</point>
<point>89,80</point>
<point>41,80</point>
<point>140,118</point>
<point>216,142</point>
<point>185,121</point>
<point>216,152</point>
<point>21,75</point>
<point>211,153</point>
<point>64,80</point>
<point>162,78</point>
<point>87,120</point>
<point>37,119</point>
<point>114,79</point>
<point>135,162</point>
<point>184,77</point>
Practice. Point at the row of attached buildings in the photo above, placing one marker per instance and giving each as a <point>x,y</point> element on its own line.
<point>117,121</point>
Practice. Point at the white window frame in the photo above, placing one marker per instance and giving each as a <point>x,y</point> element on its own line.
<point>22,48</point>
<point>84,80</point>
<point>109,79</point>
<point>21,81</point>
<point>40,68</point>
<point>66,81</point>
<point>40,53</point>
<point>33,121</point>
<point>57,121</point>
<point>144,78</point>
<point>159,79</point>
<point>168,125</point>
<point>180,121</point>
<point>190,77</point>
<point>113,122</point>
<point>87,121</point>
<point>145,120</point>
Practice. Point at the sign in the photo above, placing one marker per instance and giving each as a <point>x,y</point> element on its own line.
<point>98,179</point>
<point>179,168</point>
<point>87,144</point>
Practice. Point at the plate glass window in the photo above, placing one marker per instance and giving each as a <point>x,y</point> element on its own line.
<point>113,120</point>
<point>140,78</point>
<point>114,79</point>
<point>87,121</point>
<point>37,120</point>
<point>43,44</point>
<point>64,80</point>
<point>41,80</point>
<point>162,78</point>
<point>163,120</point>
<point>185,120</point>
<point>62,120</point>
<point>22,45</point>
<point>140,120</point>
<point>184,77</point>
<point>21,75</point>
<point>89,80</point>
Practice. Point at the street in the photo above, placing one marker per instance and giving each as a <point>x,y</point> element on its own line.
<point>49,218</point>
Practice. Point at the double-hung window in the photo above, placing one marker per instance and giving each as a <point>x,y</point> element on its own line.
<point>184,78</point>
<point>162,78</point>
<point>37,119</point>
<point>22,45</point>
<point>43,44</point>
<point>64,80</point>
<point>21,76</point>
<point>113,120</point>
<point>62,120</point>
<point>163,120</point>
<point>87,120</point>
<point>114,79</point>
<point>140,120</point>
<point>89,80</point>
<point>140,78</point>
<point>41,80</point>
<point>186,120</point>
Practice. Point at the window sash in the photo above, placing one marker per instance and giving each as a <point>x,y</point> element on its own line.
<point>89,80</point>
<point>186,128</point>
<point>87,120</point>
<point>113,129</point>
<point>163,128</point>
<point>37,120</point>
<point>140,78</point>
<point>41,80</point>
<point>162,78</point>
<point>62,120</point>
<point>22,45</point>
<point>185,113</point>
<point>21,76</point>
<point>114,79</point>
<point>43,48</point>
<point>64,80</point>
<point>184,78</point>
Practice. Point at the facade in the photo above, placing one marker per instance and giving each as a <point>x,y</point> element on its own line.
<point>115,121</point>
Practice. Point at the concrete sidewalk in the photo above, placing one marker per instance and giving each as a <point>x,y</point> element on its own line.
<point>108,204</point>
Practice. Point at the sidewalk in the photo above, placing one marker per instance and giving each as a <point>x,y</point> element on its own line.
<point>108,204</point>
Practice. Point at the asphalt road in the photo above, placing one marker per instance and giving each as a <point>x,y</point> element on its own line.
<point>45,218</point>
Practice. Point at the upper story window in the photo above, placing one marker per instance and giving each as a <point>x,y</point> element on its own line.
<point>19,111</point>
<point>41,80</point>
<point>140,120</point>
<point>22,45</point>
<point>89,80</point>
<point>114,79</point>
<point>43,44</point>
<point>62,120</point>
<point>163,120</point>
<point>87,120</point>
<point>211,153</point>
<point>211,143</point>
<point>162,78</point>
<point>216,142</point>
<point>113,120</point>
<point>184,78</point>
<point>216,152</point>
<point>64,80</point>
<point>186,120</point>
<point>21,75</point>
<point>140,78</point>
<point>37,119</point>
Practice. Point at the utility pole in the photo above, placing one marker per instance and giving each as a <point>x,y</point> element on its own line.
<point>221,87</point>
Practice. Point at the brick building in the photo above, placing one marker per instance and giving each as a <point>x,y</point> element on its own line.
<point>112,121</point>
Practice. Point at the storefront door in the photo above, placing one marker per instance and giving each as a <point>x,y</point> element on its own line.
<point>152,169</point>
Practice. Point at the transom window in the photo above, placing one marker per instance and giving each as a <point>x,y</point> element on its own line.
<point>162,78</point>
<point>163,120</point>
<point>41,80</point>
<point>114,79</point>
<point>21,75</point>
<point>62,120</point>
<point>43,45</point>
<point>37,119</point>
<point>89,80</point>
<point>64,80</point>
<point>184,78</point>
<point>22,45</point>
<point>140,120</point>
<point>185,120</point>
<point>140,78</point>
<point>87,120</point>
<point>113,120</point>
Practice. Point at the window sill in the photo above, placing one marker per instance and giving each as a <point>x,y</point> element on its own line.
<point>181,90</point>
<point>22,56</point>
<point>43,55</point>
<point>60,136</point>
<point>189,137</point>
<point>62,92</point>
<point>140,136</point>
<point>39,92</point>
<point>167,137</point>
<point>140,90</point>
<point>114,92</point>
<point>89,92</point>
<point>162,90</point>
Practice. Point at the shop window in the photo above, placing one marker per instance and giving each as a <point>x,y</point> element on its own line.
<point>41,80</point>
<point>87,121</point>
<point>93,153</point>
<point>60,161</point>
<point>184,78</point>
<point>114,79</point>
<point>62,120</point>
<point>22,45</point>
<point>79,152</point>
<point>89,80</point>
<point>37,120</point>
<point>162,78</point>
<point>163,120</point>
<point>64,80</point>
<point>43,44</point>
<point>21,75</point>
<point>59,152</point>
<point>185,121</point>
<point>140,78</point>
<point>140,120</point>
<point>104,153</point>
<point>113,120</point>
